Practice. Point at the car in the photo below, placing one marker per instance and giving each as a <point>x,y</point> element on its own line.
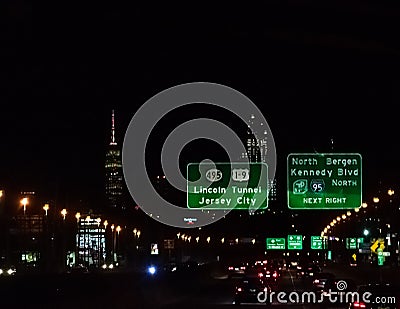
<point>7,270</point>
<point>382,295</point>
<point>307,271</point>
<point>248,290</point>
<point>320,279</point>
<point>271,274</point>
<point>237,270</point>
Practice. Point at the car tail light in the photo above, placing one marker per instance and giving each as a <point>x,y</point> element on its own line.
<point>359,305</point>
<point>260,275</point>
<point>230,268</point>
<point>242,268</point>
<point>316,281</point>
<point>275,275</point>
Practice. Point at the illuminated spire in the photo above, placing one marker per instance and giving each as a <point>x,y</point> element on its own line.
<point>112,130</point>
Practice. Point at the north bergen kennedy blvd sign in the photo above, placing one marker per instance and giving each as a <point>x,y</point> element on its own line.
<point>225,186</point>
<point>324,180</point>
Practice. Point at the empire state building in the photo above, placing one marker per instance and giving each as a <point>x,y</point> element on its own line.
<point>113,170</point>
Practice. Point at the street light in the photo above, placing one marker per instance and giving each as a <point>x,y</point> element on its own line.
<point>375,199</point>
<point>46,208</point>
<point>63,213</point>
<point>78,216</point>
<point>366,232</point>
<point>24,201</point>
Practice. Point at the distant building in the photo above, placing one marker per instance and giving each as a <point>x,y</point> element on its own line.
<point>113,171</point>
<point>90,242</point>
<point>257,150</point>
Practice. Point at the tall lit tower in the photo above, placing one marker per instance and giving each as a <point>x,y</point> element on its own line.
<point>256,151</point>
<point>113,169</point>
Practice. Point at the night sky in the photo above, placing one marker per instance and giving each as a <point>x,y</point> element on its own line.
<point>316,72</point>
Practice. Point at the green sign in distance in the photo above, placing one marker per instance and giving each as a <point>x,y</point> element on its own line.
<point>295,242</point>
<point>351,243</point>
<point>381,258</point>
<point>324,180</point>
<point>225,186</point>
<point>317,243</point>
<point>275,243</point>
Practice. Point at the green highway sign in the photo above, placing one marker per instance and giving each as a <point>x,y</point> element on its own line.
<point>317,243</point>
<point>381,257</point>
<point>275,244</point>
<point>219,186</point>
<point>324,180</point>
<point>351,243</point>
<point>295,242</point>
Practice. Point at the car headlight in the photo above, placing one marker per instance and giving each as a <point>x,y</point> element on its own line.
<point>104,266</point>
<point>10,271</point>
<point>1,271</point>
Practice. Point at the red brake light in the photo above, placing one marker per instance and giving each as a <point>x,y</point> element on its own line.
<point>230,268</point>
<point>275,274</point>
<point>359,305</point>
<point>260,275</point>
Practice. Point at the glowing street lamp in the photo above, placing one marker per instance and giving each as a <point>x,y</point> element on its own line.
<point>375,199</point>
<point>46,208</point>
<point>390,192</point>
<point>364,205</point>
<point>24,201</point>
<point>138,233</point>
<point>98,221</point>
<point>77,216</point>
<point>118,229</point>
<point>63,213</point>
<point>105,224</point>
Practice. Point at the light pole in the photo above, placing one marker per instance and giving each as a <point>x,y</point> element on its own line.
<point>64,213</point>
<point>105,223</point>
<point>78,238</point>
<point>24,202</point>
<point>113,243</point>
<point>98,221</point>
<point>46,208</point>
<point>118,229</point>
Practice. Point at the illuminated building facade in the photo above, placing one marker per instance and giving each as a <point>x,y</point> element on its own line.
<point>113,170</point>
<point>256,151</point>
<point>90,242</point>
